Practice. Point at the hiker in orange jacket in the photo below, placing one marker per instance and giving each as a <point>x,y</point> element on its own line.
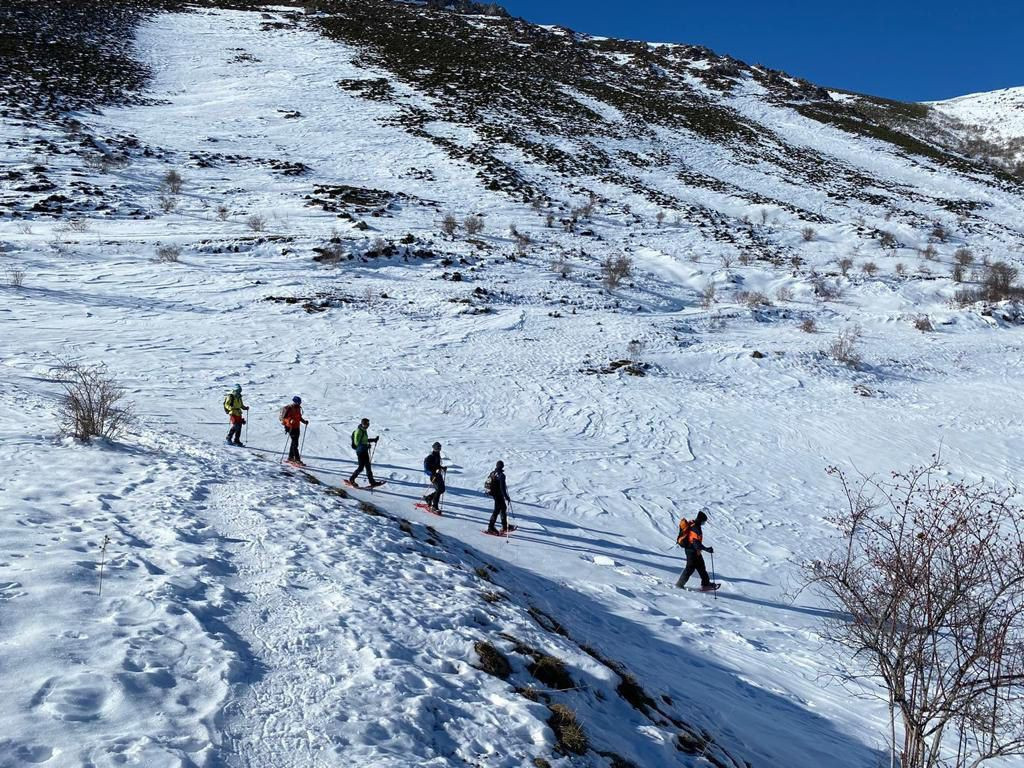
<point>691,539</point>
<point>291,419</point>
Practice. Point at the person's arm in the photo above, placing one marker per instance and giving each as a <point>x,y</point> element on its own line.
<point>504,487</point>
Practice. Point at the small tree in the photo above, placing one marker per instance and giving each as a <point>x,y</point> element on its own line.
<point>615,269</point>
<point>845,347</point>
<point>473,225</point>
<point>256,223</point>
<point>927,578</point>
<point>660,218</point>
<point>999,279</point>
<point>449,225</point>
<point>845,264</point>
<point>963,257</point>
<point>708,296</point>
<point>939,232</point>
<point>93,404</point>
<point>172,182</point>
<point>808,234</point>
<point>168,203</point>
<point>869,268</point>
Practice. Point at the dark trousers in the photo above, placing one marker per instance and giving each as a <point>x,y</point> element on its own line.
<point>434,499</point>
<point>694,562</point>
<point>364,463</point>
<point>293,451</point>
<point>235,433</point>
<point>500,508</point>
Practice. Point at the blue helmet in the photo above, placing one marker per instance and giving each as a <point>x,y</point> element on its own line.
<point>297,400</point>
<point>238,388</point>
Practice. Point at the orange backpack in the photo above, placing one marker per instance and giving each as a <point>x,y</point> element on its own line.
<point>686,533</point>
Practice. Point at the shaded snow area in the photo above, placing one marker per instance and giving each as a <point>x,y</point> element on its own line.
<point>255,615</point>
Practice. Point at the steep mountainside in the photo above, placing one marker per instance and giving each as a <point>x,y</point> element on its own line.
<point>649,278</point>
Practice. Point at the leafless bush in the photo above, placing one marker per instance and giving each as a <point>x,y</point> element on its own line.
<point>957,273</point>
<point>784,294</point>
<point>168,203</point>
<point>745,259</point>
<point>929,252</point>
<point>93,404</point>
<point>726,259</point>
<point>634,350</point>
<point>764,216</point>
<point>549,220</point>
<point>25,228</point>
<point>963,257</point>
<point>999,280</point>
<point>256,223</point>
<point>807,325</point>
<point>845,347</point>
<point>927,580</point>
<point>808,234</point>
<point>584,212</point>
<point>825,289</point>
<point>939,232</point>
<point>223,212</point>
<point>888,241</point>
<point>449,225</point>
<point>923,323</point>
<point>845,264</point>
<point>561,266</point>
<point>168,254</point>
<point>79,226</point>
<point>869,268</point>
<point>473,225</point>
<point>615,269</point>
<point>708,296</point>
<point>15,277</point>
<point>659,217</point>
<point>754,299</point>
<point>901,269</point>
<point>172,182</point>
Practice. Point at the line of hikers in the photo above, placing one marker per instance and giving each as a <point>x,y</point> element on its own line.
<point>291,419</point>
<point>690,537</point>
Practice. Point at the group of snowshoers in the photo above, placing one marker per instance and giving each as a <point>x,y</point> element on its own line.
<point>690,536</point>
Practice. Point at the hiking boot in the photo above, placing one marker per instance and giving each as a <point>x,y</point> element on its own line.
<point>493,531</point>
<point>709,587</point>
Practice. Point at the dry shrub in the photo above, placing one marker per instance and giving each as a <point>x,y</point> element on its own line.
<point>826,290</point>
<point>930,253</point>
<point>449,225</point>
<point>845,347</point>
<point>168,254</point>
<point>926,580</point>
<point>551,671</point>
<point>615,269</point>
<point>754,299</point>
<point>888,240</point>
<point>923,323</point>
<point>634,350</point>
<point>784,294</point>
<point>726,259</point>
<point>808,234</point>
<point>561,266</point>
<point>939,232</point>
<point>93,404</point>
<point>15,277</point>
<point>172,182</point>
<point>958,273</point>
<point>549,220</point>
<point>223,212</point>
<point>473,225</point>
<point>568,730</point>
<point>998,283</point>
<point>492,661</point>
<point>869,268</point>
<point>168,203</point>
<point>845,264</point>
<point>708,296</point>
<point>963,257</point>
<point>807,325</point>
<point>659,217</point>
<point>79,226</point>
<point>256,223</point>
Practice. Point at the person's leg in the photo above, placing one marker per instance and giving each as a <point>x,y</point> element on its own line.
<point>702,570</point>
<point>494,515</point>
<point>235,435</point>
<point>363,457</point>
<point>504,515</point>
<point>439,493</point>
<point>293,451</point>
<point>691,566</point>
<point>369,469</point>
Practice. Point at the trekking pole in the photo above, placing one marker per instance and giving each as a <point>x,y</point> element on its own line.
<point>287,439</point>
<point>713,573</point>
<point>511,522</point>
<point>103,559</point>
<point>302,448</point>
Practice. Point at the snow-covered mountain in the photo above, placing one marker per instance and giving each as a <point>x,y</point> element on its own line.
<point>992,123</point>
<point>670,243</point>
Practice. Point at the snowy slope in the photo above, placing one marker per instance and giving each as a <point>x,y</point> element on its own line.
<point>995,118</point>
<point>252,617</point>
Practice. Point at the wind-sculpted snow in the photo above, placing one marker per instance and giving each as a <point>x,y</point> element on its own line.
<point>255,615</point>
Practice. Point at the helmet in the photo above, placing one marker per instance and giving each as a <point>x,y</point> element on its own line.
<point>297,400</point>
<point>238,388</point>
<point>436,446</point>
<point>500,465</point>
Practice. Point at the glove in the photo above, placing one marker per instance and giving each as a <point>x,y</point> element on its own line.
<point>243,421</point>
<point>245,407</point>
<point>710,550</point>
<point>376,439</point>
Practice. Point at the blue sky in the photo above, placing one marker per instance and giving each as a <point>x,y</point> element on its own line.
<point>914,50</point>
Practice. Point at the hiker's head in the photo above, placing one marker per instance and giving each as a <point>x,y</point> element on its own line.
<point>702,517</point>
<point>238,389</point>
<point>436,447</point>
<point>364,423</point>
<point>297,400</point>
<point>500,465</point>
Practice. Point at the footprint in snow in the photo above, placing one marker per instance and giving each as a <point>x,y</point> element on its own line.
<point>599,560</point>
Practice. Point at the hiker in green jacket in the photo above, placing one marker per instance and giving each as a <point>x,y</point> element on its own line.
<point>233,407</point>
<point>361,443</point>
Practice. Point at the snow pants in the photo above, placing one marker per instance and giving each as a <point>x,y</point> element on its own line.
<point>235,433</point>
<point>364,463</point>
<point>500,508</point>
<point>694,562</point>
<point>293,451</point>
<point>434,499</point>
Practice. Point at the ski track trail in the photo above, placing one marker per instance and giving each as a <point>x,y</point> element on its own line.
<point>252,620</point>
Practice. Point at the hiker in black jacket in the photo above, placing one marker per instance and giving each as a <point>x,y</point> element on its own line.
<point>435,472</point>
<point>499,492</point>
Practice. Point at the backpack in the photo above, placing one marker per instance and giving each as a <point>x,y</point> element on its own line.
<point>490,484</point>
<point>283,413</point>
<point>354,446</point>
<point>684,532</point>
<point>227,400</point>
